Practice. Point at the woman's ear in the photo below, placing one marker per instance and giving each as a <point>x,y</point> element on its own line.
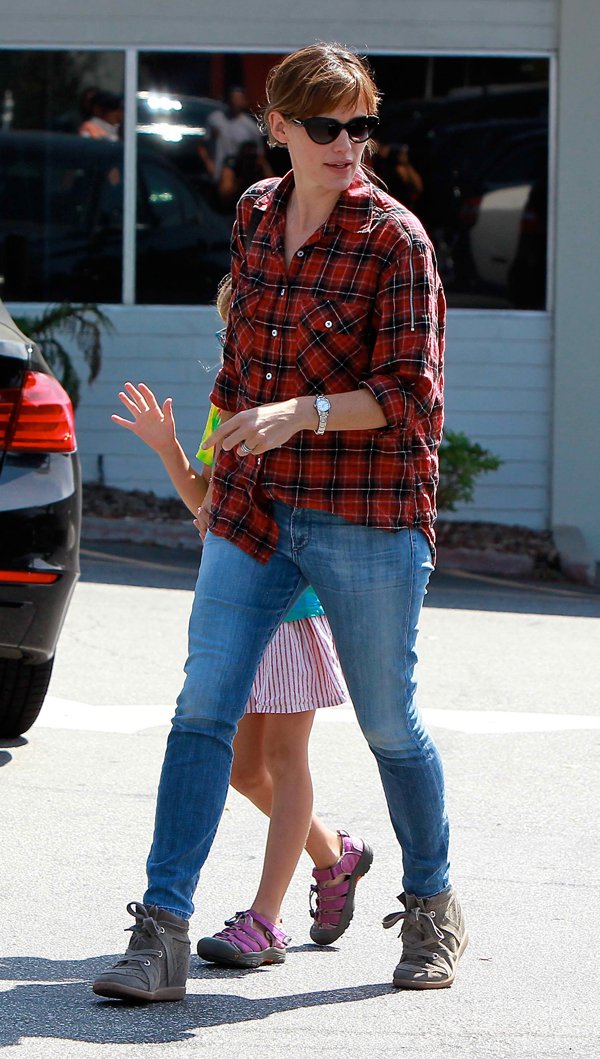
<point>278,127</point>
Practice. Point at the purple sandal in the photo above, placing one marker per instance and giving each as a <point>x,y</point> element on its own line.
<point>241,945</point>
<point>335,904</point>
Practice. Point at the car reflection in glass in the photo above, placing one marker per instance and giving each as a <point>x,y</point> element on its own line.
<point>61,226</point>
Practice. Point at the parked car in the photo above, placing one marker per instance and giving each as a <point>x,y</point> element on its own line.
<point>493,219</point>
<point>40,519</point>
<point>61,224</point>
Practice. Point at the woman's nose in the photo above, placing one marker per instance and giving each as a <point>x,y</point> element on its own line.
<point>343,141</point>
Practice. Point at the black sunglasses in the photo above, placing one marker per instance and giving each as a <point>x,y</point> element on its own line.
<point>326,130</point>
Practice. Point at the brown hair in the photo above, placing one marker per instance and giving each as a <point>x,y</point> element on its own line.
<point>317,79</point>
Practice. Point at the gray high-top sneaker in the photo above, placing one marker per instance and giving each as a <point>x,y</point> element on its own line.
<point>156,964</point>
<point>434,938</point>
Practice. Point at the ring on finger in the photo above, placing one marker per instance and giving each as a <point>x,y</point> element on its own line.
<point>244,450</point>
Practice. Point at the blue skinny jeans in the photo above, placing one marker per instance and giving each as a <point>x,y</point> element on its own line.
<point>372,584</point>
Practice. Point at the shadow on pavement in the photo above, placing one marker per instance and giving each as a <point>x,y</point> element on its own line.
<point>170,568</point>
<point>461,590</point>
<point>5,756</point>
<point>56,1002</point>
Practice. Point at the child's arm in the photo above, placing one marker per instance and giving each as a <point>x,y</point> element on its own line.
<point>156,427</point>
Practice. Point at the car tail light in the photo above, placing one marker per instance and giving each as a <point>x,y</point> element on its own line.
<point>27,577</point>
<point>44,419</point>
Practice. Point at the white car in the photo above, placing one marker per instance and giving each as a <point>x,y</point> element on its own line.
<point>494,213</point>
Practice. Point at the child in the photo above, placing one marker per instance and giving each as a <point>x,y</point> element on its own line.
<point>299,673</point>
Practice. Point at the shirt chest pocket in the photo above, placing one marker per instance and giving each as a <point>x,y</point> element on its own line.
<point>334,345</point>
<point>242,313</point>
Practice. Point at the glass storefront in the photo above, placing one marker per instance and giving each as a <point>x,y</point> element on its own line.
<point>463,142</point>
<point>61,176</point>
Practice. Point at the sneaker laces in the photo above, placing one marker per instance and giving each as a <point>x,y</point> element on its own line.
<point>143,930</point>
<point>420,934</point>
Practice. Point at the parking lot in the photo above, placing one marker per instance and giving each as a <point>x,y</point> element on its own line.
<point>509,684</point>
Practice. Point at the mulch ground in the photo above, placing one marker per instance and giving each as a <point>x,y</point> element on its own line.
<point>107,502</point>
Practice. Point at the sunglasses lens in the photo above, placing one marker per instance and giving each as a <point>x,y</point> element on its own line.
<point>322,130</point>
<point>358,130</point>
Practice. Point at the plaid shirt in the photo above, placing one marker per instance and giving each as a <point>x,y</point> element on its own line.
<point>361,304</point>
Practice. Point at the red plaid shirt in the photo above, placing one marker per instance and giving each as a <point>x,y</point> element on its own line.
<point>360,305</point>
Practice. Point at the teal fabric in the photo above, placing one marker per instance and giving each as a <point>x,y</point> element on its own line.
<point>308,605</point>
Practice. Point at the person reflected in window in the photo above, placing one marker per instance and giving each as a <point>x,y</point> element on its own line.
<point>229,130</point>
<point>105,117</point>
<point>240,171</point>
<point>393,165</point>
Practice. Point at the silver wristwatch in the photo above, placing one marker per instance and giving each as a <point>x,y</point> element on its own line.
<point>323,407</point>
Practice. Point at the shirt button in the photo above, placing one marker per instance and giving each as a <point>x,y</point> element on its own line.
<point>300,253</point>
<point>282,291</point>
<point>268,375</point>
<point>274,332</point>
<point>328,323</point>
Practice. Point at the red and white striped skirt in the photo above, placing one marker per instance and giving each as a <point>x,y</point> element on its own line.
<point>299,671</point>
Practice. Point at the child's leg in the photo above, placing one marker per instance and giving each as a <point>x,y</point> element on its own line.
<point>271,768</point>
<point>251,777</point>
<point>286,759</point>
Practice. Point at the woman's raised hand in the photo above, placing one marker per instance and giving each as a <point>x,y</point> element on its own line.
<point>151,423</point>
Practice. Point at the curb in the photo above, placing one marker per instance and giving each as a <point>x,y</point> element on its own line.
<point>485,561</point>
<point>130,530</point>
<point>171,534</point>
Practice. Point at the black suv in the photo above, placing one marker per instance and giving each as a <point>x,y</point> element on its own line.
<point>40,521</point>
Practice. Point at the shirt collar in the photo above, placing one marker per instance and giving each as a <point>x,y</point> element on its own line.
<point>352,211</point>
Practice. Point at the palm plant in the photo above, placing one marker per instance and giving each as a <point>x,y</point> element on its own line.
<point>83,324</point>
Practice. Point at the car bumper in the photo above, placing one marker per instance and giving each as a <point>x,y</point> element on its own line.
<point>40,540</point>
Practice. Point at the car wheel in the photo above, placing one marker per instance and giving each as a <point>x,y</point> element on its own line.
<point>23,689</point>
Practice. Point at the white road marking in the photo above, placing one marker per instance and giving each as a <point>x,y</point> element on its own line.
<point>82,716</point>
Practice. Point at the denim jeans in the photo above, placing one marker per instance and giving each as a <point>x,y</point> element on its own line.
<point>371,583</point>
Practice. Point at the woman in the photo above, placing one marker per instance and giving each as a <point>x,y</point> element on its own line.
<point>331,400</point>
<point>298,674</point>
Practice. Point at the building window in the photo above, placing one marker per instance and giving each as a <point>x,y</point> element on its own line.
<point>196,134</point>
<point>463,142</point>
<point>61,175</point>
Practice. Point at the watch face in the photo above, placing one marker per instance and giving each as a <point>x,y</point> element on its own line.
<point>322,404</point>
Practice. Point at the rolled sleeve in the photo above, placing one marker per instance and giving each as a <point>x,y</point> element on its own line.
<point>224,393</point>
<point>406,361</point>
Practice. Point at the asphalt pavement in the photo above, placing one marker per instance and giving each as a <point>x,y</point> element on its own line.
<point>509,684</point>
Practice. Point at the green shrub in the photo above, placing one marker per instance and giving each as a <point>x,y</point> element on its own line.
<point>461,462</point>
